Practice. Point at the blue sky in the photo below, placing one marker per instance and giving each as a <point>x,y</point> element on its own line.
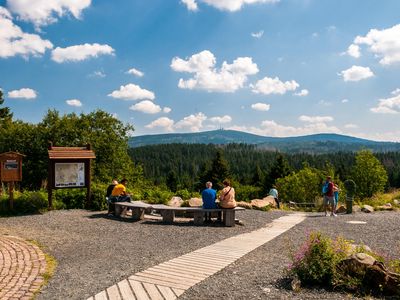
<point>269,67</point>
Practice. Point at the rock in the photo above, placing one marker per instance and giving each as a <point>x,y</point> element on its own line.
<point>195,202</point>
<point>295,284</point>
<point>244,204</point>
<point>367,208</point>
<point>260,203</point>
<point>387,206</point>
<point>175,202</point>
<point>396,201</point>
<point>341,209</point>
<point>353,249</point>
<point>356,208</point>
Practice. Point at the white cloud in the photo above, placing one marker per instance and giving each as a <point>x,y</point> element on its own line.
<point>221,120</point>
<point>190,4</point>
<point>260,106</point>
<point>234,5</point>
<point>257,35</point>
<point>302,93</point>
<point>135,72</point>
<point>356,73</point>
<point>163,122</point>
<point>354,51</point>
<point>14,41</point>
<point>80,52</point>
<point>24,93</point>
<point>269,86</point>
<point>350,126</point>
<point>396,92</point>
<point>324,102</point>
<point>388,106</point>
<point>99,74</point>
<point>44,12</point>
<point>345,100</point>
<point>272,128</point>
<point>193,122</point>
<point>74,102</point>
<point>132,92</point>
<point>147,107</point>
<point>316,119</point>
<point>383,43</point>
<point>229,78</point>
<point>167,110</point>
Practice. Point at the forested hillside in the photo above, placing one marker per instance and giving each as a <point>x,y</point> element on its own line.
<point>247,164</point>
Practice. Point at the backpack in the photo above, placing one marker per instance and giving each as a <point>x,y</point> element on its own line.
<point>325,188</point>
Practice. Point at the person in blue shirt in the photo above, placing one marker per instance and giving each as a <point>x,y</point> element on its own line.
<point>209,196</point>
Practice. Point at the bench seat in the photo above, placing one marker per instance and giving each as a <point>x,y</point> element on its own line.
<point>168,212</point>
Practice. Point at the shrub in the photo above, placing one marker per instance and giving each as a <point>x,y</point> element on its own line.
<point>26,202</point>
<point>247,192</point>
<point>184,194</point>
<point>72,198</point>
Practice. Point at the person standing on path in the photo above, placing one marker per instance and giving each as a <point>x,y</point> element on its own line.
<point>274,193</point>
<point>209,196</point>
<point>327,190</point>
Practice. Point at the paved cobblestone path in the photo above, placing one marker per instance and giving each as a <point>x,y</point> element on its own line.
<point>22,265</point>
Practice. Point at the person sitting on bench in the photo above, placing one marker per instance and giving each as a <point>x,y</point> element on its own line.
<point>108,196</point>
<point>209,196</point>
<point>119,194</point>
<point>227,196</point>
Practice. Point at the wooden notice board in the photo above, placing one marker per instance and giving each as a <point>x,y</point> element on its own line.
<point>11,166</point>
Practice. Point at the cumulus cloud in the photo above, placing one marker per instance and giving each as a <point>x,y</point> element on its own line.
<point>396,92</point>
<point>193,122</point>
<point>269,86</point>
<point>163,122</point>
<point>388,106</point>
<point>229,78</point>
<point>356,73</point>
<point>345,100</point>
<point>74,102</point>
<point>228,5</point>
<point>132,92</point>
<point>221,120</point>
<point>15,42</point>
<point>354,51</point>
<point>272,128</point>
<point>135,72</point>
<point>350,126</point>
<point>24,93</point>
<point>167,109</point>
<point>190,4</point>
<point>44,12</point>
<point>257,35</point>
<point>385,44</point>
<point>80,52</point>
<point>99,74</point>
<point>302,93</point>
<point>147,107</point>
<point>315,119</point>
<point>260,106</point>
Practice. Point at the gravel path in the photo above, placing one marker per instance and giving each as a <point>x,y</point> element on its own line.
<point>95,252</point>
<point>83,243</point>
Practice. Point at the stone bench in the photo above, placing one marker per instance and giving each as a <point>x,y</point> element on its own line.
<point>168,213</point>
<point>138,208</point>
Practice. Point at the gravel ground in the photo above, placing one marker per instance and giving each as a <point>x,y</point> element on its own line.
<point>95,252</point>
<point>258,275</point>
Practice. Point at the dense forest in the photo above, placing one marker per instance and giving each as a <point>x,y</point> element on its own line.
<point>247,164</point>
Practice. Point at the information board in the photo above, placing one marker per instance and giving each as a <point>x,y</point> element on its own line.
<point>69,174</point>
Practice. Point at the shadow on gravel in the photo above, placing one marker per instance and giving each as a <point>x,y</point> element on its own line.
<point>112,218</point>
<point>183,224</point>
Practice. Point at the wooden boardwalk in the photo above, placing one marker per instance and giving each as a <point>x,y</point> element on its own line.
<point>170,279</point>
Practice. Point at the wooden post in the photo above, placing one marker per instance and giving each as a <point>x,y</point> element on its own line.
<point>89,190</point>
<point>11,193</point>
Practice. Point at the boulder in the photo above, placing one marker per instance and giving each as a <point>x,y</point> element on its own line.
<point>260,203</point>
<point>367,208</point>
<point>341,209</point>
<point>396,202</point>
<point>387,206</point>
<point>244,204</point>
<point>195,202</point>
<point>356,208</point>
<point>175,202</point>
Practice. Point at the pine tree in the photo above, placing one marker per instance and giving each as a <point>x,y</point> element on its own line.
<point>279,170</point>
<point>5,113</point>
<point>219,170</point>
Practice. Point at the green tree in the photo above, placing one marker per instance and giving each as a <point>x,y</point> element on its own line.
<point>369,174</point>
<point>5,113</point>
<point>302,186</point>
<point>279,169</point>
<point>258,177</point>
<point>219,170</point>
<point>172,181</point>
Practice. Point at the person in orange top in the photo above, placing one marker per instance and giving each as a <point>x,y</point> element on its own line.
<point>227,196</point>
<point>119,194</point>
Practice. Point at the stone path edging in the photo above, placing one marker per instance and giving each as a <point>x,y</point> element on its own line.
<point>169,280</point>
<point>22,265</point>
